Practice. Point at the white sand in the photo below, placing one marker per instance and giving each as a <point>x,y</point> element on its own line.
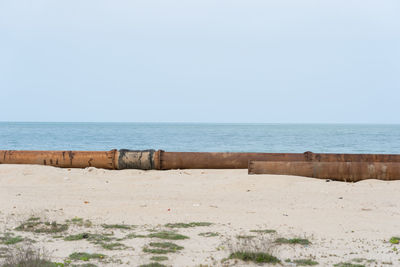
<point>342,220</point>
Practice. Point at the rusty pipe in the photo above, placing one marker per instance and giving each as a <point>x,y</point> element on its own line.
<point>340,171</point>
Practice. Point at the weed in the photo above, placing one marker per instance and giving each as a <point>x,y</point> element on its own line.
<point>113,246</point>
<point>303,262</point>
<point>293,241</point>
<point>133,235</point>
<point>80,222</point>
<point>162,248</point>
<point>187,225</point>
<point>159,258</point>
<point>348,264</point>
<point>42,227</point>
<point>77,237</point>
<point>245,236</point>
<point>153,264</point>
<point>10,239</point>
<point>257,257</point>
<point>27,256</point>
<point>394,240</point>
<point>117,226</point>
<point>168,235</point>
<point>83,256</point>
<point>209,234</point>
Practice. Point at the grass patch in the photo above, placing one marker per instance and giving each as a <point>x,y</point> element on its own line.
<point>162,248</point>
<point>77,237</point>
<point>394,240</point>
<point>159,258</point>
<point>187,225</point>
<point>10,239</point>
<point>113,246</point>
<point>80,222</point>
<point>133,235</point>
<point>348,264</point>
<point>83,256</point>
<point>303,262</point>
<point>293,241</point>
<point>42,227</point>
<point>27,257</point>
<point>168,235</point>
<point>265,231</point>
<point>153,264</point>
<point>257,257</point>
<point>117,226</point>
<point>209,234</point>
<point>245,236</point>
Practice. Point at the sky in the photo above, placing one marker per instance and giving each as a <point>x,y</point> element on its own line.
<point>228,61</point>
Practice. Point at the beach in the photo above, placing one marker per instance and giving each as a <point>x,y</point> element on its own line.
<point>343,222</point>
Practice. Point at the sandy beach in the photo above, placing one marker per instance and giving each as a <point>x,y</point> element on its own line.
<point>344,222</point>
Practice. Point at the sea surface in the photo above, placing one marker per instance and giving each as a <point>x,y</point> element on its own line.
<point>328,138</point>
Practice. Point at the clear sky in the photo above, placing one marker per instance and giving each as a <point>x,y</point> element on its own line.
<point>252,61</point>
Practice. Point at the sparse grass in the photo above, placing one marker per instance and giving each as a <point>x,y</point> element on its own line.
<point>80,222</point>
<point>84,256</point>
<point>162,248</point>
<point>133,235</point>
<point>303,262</point>
<point>187,225</point>
<point>153,264</point>
<point>293,241</point>
<point>113,246</point>
<point>394,240</point>
<point>168,235</point>
<point>265,231</point>
<point>27,257</point>
<point>209,234</point>
<point>77,237</point>
<point>159,258</point>
<point>257,257</point>
<point>10,239</point>
<point>348,264</point>
<point>42,227</point>
<point>117,226</point>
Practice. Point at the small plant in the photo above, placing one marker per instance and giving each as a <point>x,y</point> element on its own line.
<point>117,226</point>
<point>265,231</point>
<point>42,227</point>
<point>159,258</point>
<point>153,264</point>
<point>348,264</point>
<point>257,257</point>
<point>394,240</point>
<point>209,234</point>
<point>77,237</point>
<point>162,248</point>
<point>245,236</point>
<point>187,225</point>
<point>168,235</point>
<point>10,239</point>
<point>133,235</point>
<point>294,241</point>
<point>27,256</point>
<point>80,222</point>
<point>303,262</point>
<point>83,256</point>
<point>113,246</point>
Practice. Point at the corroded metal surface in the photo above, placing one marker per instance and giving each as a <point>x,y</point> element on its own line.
<point>340,171</point>
<point>136,159</point>
<point>63,159</point>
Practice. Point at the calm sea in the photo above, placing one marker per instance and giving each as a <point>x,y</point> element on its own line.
<point>346,138</point>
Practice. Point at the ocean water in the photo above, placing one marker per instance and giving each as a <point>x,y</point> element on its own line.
<point>328,138</point>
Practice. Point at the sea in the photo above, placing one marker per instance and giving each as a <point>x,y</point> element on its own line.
<point>208,137</point>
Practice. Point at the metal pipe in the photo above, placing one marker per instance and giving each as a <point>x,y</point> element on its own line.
<point>340,171</point>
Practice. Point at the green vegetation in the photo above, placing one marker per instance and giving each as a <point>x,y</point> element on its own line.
<point>117,226</point>
<point>133,235</point>
<point>395,240</point>
<point>265,231</point>
<point>209,234</point>
<point>27,256</point>
<point>293,241</point>
<point>77,237</point>
<point>153,264</point>
<point>83,256</point>
<point>80,222</point>
<point>159,258</point>
<point>245,236</point>
<point>187,225</point>
<point>257,257</point>
<point>168,235</point>
<point>162,248</point>
<point>348,264</point>
<point>10,239</point>
<point>113,246</point>
<point>303,262</point>
<point>41,227</point>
